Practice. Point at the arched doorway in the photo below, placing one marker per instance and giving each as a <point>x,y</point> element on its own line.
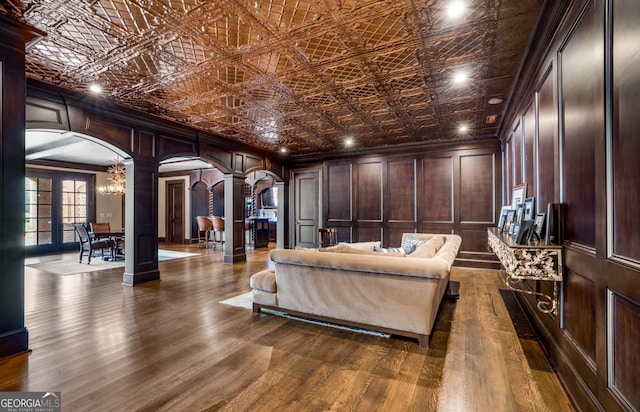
<point>63,172</point>
<point>199,205</point>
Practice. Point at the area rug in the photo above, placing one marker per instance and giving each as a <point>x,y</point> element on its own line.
<point>245,301</point>
<point>69,265</point>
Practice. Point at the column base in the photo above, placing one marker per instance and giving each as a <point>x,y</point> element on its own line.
<point>240,257</point>
<point>14,342</point>
<point>132,279</point>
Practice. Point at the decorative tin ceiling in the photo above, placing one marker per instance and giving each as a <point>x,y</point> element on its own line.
<point>297,74</point>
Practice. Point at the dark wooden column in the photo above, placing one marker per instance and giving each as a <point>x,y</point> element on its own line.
<point>234,218</point>
<point>141,217</point>
<point>14,336</point>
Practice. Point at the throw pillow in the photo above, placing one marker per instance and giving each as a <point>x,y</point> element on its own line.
<point>410,243</point>
<point>389,250</point>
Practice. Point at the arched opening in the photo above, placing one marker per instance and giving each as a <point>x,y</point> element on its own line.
<point>199,205</point>
<point>263,209</point>
<point>63,173</point>
<point>217,199</point>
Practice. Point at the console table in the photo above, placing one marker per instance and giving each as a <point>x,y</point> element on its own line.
<point>532,261</point>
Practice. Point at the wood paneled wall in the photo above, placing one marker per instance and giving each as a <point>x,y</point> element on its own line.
<point>573,138</point>
<point>445,190</point>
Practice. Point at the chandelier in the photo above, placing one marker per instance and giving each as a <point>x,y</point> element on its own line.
<point>116,179</point>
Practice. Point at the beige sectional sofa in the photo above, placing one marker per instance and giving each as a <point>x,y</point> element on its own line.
<point>352,285</point>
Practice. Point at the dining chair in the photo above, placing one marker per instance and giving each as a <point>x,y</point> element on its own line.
<point>117,241</point>
<point>95,227</point>
<point>88,242</point>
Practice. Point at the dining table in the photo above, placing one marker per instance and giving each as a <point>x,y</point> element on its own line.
<point>115,236</point>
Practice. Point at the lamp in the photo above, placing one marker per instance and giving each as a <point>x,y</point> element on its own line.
<point>117,179</point>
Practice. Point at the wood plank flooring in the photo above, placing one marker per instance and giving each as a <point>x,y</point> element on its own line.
<point>170,345</point>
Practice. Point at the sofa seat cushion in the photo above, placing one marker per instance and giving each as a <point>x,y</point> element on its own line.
<point>264,280</point>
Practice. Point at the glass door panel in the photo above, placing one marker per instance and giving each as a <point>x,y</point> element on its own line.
<point>38,211</point>
<point>53,202</point>
<point>74,207</point>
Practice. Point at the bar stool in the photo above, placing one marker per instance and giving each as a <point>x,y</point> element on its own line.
<point>327,237</point>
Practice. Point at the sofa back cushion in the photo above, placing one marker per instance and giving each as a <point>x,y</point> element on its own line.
<point>346,248</point>
<point>362,245</point>
<point>429,248</point>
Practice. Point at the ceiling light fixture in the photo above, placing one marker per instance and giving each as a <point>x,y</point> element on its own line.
<point>495,100</point>
<point>455,9</point>
<point>283,150</point>
<point>463,129</point>
<point>348,142</point>
<point>117,178</point>
<point>95,88</point>
<point>460,77</point>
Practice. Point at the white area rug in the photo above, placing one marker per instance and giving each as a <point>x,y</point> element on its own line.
<point>70,265</point>
<point>245,301</point>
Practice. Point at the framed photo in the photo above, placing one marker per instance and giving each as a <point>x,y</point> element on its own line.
<point>518,194</point>
<point>519,213</point>
<point>514,229</point>
<point>524,231</point>
<point>530,208</point>
<point>538,226</point>
<point>508,220</point>
<point>503,217</point>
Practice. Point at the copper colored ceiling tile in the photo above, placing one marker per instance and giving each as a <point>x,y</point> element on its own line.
<point>295,73</point>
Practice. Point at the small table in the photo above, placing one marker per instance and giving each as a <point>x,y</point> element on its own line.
<point>114,237</point>
<point>535,261</point>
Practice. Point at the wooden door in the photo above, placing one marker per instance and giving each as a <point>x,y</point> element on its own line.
<point>175,211</point>
<point>306,208</point>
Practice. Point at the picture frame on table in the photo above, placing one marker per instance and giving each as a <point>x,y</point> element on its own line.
<point>524,231</point>
<point>530,208</point>
<point>518,194</point>
<point>503,217</point>
<point>508,221</point>
<point>514,229</point>
<point>539,226</point>
<point>519,213</point>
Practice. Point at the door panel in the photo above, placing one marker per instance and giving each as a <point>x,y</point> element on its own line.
<point>306,205</point>
<point>175,211</point>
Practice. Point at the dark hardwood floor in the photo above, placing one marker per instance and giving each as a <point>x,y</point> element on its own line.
<point>170,345</point>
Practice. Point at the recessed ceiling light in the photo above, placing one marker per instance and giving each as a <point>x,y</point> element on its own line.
<point>283,150</point>
<point>95,88</point>
<point>463,129</point>
<point>495,100</point>
<point>460,77</point>
<point>455,9</point>
<point>348,142</point>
